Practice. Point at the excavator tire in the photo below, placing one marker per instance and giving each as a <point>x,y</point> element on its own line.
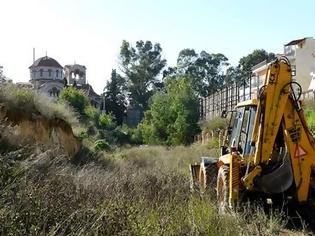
<point>223,189</point>
<point>207,178</point>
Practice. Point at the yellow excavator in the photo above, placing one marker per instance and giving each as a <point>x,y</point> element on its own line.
<point>268,150</point>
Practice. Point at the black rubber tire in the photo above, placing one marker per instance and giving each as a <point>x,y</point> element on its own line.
<point>223,189</point>
<point>208,178</point>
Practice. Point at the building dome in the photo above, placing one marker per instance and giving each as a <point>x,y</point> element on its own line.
<point>46,68</point>
<point>46,62</point>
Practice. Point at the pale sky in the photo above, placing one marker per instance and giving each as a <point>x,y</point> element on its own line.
<point>90,32</point>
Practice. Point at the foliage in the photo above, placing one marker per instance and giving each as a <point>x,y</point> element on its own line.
<point>213,143</point>
<point>106,121</point>
<point>205,70</point>
<point>115,99</point>
<point>233,75</point>
<point>141,67</point>
<point>309,111</point>
<point>92,113</point>
<point>214,124</point>
<point>134,135</point>
<point>76,98</point>
<point>243,70</point>
<point>101,145</point>
<point>173,115</point>
<point>247,62</point>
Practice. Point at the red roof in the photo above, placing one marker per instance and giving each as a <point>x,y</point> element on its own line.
<point>88,90</point>
<point>295,42</point>
<point>46,61</point>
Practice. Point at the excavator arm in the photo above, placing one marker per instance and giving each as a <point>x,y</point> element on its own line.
<point>280,116</point>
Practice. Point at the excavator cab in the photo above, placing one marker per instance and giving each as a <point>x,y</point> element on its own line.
<point>240,129</point>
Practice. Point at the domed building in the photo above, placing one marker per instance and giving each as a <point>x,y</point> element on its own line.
<point>47,76</point>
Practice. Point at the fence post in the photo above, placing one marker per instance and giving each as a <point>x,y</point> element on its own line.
<point>250,87</point>
<point>226,98</point>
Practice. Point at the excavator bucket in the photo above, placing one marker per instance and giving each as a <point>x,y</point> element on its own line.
<point>279,180</point>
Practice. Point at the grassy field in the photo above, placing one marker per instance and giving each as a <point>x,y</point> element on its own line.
<point>136,191</point>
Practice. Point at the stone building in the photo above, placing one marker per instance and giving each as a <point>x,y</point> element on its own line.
<point>75,74</point>
<point>47,76</point>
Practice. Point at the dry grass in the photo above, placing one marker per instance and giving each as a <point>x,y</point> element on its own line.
<point>137,191</point>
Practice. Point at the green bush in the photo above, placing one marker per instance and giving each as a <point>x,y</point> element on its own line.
<point>213,143</point>
<point>101,145</point>
<point>76,98</point>
<point>92,113</point>
<point>214,124</point>
<point>173,114</point>
<point>106,121</point>
<point>309,111</point>
<point>136,136</point>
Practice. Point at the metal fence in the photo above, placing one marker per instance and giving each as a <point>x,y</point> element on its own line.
<point>224,99</point>
<point>228,97</point>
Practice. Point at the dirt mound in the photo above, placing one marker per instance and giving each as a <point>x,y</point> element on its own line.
<point>23,128</point>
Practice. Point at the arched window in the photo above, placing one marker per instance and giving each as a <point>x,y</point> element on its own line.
<point>41,72</point>
<point>54,92</point>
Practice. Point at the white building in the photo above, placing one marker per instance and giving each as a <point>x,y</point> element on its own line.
<point>301,54</point>
<point>47,76</point>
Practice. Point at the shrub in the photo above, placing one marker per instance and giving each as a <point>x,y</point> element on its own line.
<point>92,114</point>
<point>309,111</point>
<point>76,98</point>
<point>214,124</point>
<point>213,143</point>
<point>101,145</point>
<point>106,121</point>
<point>173,114</point>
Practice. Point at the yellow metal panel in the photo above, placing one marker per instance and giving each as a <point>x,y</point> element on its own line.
<point>276,93</point>
<point>225,159</point>
<point>252,102</point>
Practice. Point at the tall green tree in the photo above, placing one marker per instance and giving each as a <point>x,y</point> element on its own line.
<point>173,114</point>
<point>232,75</point>
<point>205,70</point>
<point>115,98</point>
<point>257,56</point>
<point>141,67</point>
<point>242,72</point>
